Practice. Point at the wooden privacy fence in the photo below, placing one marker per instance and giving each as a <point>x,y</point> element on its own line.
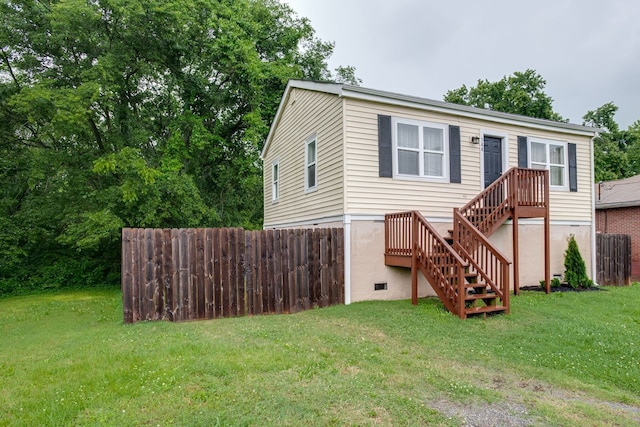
<point>188,274</point>
<point>613,259</point>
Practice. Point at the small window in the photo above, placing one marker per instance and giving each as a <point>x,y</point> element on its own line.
<point>552,156</point>
<point>420,149</point>
<point>275,181</point>
<point>310,163</point>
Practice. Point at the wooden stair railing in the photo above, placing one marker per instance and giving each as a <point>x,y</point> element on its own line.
<point>409,233</point>
<point>525,190</point>
<point>518,193</point>
<point>470,271</point>
<point>490,264</point>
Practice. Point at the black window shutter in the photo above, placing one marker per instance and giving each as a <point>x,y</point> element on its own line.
<point>385,149</point>
<point>523,159</point>
<point>455,173</point>
<point>573,168</point>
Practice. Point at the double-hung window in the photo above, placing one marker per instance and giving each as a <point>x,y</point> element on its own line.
<point>550,155</point>
<point>275,181</point>
<point>310,163</point>
<point>420,149</point>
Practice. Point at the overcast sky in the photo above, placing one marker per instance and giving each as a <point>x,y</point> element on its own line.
<point>588,51</point>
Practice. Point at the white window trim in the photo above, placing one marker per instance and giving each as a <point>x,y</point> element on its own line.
<point>308,189</point>
<point>275,183</point>
<point>564,144</point>
<point>505,151</point>
<point>445,141</point>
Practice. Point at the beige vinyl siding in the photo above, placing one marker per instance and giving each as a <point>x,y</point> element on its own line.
<point>366,193</point>
<point>305,113</point>
<point>369,194</point>
<point>564,205</point>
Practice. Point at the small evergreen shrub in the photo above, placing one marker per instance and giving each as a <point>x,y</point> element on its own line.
<point>554,283</point>
<point>575,269</point>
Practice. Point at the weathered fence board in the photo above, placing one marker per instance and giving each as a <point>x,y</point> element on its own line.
<point>187,274</point>
<point>613,259</point>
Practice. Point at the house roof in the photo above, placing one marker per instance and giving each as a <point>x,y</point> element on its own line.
<point>622,193</point>
<point>374,95</point>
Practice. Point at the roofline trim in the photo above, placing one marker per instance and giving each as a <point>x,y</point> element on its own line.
<point>391,98</point>
<point>464,110</point>
<point>615,205</point>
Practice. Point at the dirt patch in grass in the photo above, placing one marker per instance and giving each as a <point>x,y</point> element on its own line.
<point>506,414</point>
<point>521,402</point>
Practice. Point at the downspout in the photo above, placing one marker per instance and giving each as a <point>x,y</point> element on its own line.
<point>347,259</point>
<point>593,212</point>
<point>346,217</point>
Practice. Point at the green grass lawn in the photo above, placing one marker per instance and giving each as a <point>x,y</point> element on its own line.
<point>66,358</point>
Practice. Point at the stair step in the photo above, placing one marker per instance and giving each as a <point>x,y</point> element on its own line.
<point>485,309</point>
<point>478,288</point>
<point>471,297</point>
<point>471,280</point>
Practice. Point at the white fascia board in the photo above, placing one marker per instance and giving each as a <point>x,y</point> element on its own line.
<point>332,88</point>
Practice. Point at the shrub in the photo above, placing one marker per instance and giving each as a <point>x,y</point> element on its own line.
<point>554,283</point>
<point>575,269</point>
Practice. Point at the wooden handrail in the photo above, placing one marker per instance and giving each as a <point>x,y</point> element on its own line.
<point>518,187</point>
<point>397,236</point>
<point>530,187</point>
<point>440,264</point>
<point>441,241</point>
<point>518,192</point>
<point>487,260</point>
<point>495,184</point>
<point>410,234</point>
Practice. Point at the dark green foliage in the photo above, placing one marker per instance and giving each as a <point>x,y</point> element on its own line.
<point>616,152</point>
<point>554,283</point>
<point>575,269</point>
<point>521,93</point>
<point>149,113</point>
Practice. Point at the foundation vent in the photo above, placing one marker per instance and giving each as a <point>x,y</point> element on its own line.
<point>379,286</point>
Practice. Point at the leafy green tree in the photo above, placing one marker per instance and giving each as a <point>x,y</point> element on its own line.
<point>616,152</point>
<point>347,74</point>
<point>521,93</point>
<point>135,113</point>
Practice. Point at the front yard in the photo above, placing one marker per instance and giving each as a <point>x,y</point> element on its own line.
<point>66,358</point>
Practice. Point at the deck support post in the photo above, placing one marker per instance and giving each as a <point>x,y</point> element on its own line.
<point>547,243</point>
<point>414,259</point>
<point>516,257</point>
<point>547,254</point>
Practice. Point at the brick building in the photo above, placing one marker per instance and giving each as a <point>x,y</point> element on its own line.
<point>618,212</point>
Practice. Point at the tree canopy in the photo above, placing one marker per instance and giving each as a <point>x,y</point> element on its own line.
<point>521,93</point>
<point>135,113</point>
<point>616,152</point>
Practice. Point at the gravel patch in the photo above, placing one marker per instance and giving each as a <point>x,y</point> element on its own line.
<point>513,412</point>
<point>505,414</point>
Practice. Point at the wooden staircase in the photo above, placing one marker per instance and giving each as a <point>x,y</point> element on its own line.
<point>468,273</point>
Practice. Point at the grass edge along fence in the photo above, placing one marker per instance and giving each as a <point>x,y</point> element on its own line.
<point>206,273</point>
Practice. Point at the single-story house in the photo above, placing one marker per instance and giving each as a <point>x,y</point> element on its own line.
<point>618,212</point>
<point>473,192</point>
